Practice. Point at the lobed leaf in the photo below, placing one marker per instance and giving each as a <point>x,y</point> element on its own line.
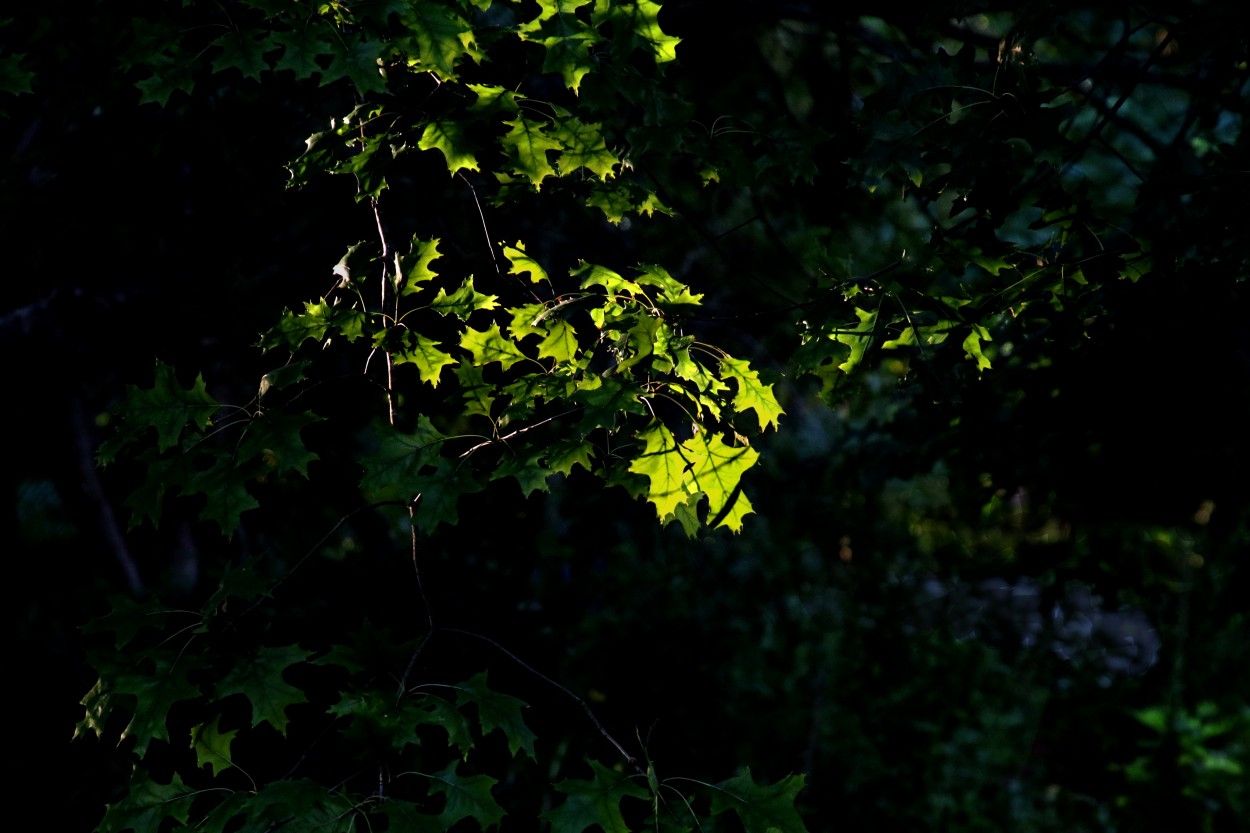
<point>594,802</point>
<point>762,809</point>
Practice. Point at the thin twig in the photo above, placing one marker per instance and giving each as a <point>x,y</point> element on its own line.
<point>630,759</point>
<point>425,602</point>
<point>95,493</point>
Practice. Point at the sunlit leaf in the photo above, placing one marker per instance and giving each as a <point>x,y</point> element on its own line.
<point>424,353</point>
<point>752,394</point>
<point>448,135</point>
<point>464,300</point>
<point>491,346</point>
<point>527,146</point>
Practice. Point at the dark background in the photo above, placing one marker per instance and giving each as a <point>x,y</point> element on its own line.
<point>891,621</point>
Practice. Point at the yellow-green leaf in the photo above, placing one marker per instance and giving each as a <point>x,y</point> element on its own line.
<point>752,393</point>
<point>528,146</point>
<point>424,353</point>
<point>491,346</point>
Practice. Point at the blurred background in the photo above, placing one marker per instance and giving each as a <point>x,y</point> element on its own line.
<point>967,601</point>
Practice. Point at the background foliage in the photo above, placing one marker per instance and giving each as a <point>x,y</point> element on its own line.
<point>955,304</point>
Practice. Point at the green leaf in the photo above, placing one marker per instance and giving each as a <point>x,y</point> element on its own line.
<point>163,473</point>
<point>392,472</point>
<point>300,49</point>
<point>403,817</point>
<point>476,394</point>
<point>717,472</point>
<point>676,293</point>
<point>260,679</point>
<point>491,346</point>
<point>126,619</point>
<point>310,805</point>
<point>165,81</point>
<point>449,136</point>
<point>662,463</point>
<point>593,275</point>
<point>498,711</point>
<point>224,486</point>
<point>168,407</point>
<point>522,263</point>
<point>972,346</point>
<point>560,343</point>
<point>638,27</point>
<point>493,100</point>
<point>606,401</point>
<point>442,38</point>
<point>274,437</point>
<point>858,340</point>
<point>527,145</point>
<point>701,464</point>
<point>150,694</point>
<point>212,746</point>
<point>285,376</point>
<point>527,320</point>
<point>242,51</point>
<point>13,79</point>
<point>566,38</point>
<point>762,809</point>
<point>564,454</point>
<point>440,494</point>
<point>463,301</point>
<point>752,394</point>
<point>317,319</point>
<point>374,718</point>
<point>147,806</point>
<point>584,147</point>
<point>468,796</point>
<point>435,711</point>
<point>415,266</point>
<point>527,467</point>
<point>358,61</point>
<point>594,802</point>
<point>424,353</point>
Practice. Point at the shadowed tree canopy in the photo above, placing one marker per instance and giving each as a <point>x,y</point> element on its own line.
<point>608,414</point>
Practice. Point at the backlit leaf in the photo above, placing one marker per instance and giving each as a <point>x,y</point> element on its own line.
<point>972,346</point>
<point>752,394</point>
<point>424,353</point>
<point>463,301</point>
<point>491,346</point>
<point>662,462</point>
<point>584,147</point>
<point>522,264</point>
<point>528,145</point>
<point>448,135</point>
<point>415,266</point>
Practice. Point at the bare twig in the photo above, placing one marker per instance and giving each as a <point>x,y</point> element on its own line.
<point>95,493</point>
<point>630,759</point>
